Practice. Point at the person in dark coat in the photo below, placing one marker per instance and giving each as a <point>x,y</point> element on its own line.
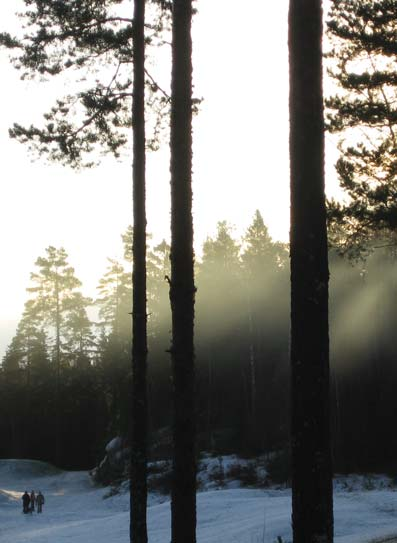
<point>40,502</point>
<point>25,502</point>
<point>32,500</point>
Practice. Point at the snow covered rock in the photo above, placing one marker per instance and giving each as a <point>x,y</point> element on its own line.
<point>115,463</point>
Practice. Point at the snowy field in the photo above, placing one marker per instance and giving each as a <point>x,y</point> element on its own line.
<point>76,511</point>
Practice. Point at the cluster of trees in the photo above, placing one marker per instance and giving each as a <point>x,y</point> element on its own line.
<point>63,335</point>
<point>54,341</point>
<point>78,348</point>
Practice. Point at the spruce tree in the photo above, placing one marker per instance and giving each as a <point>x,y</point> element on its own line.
<point>312,510</point>
<point>28,349</point>
<point>263,261</point>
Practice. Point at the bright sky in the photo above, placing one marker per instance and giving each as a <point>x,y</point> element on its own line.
<point>240,156</point>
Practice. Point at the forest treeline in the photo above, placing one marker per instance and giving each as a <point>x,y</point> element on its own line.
<point>65,377</point>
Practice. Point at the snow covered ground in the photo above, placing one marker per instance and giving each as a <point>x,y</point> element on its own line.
<point>76,511</point>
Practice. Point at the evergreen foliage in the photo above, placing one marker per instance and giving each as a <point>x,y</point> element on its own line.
<point>94,40</point>
<point>94,398</point>
<point>363,112</point>
<point>57,304</point>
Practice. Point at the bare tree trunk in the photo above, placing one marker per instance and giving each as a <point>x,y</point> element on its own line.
<point>138,498</point>
<point>182,289</point>
<point>312,510</point>
<point>58,429</point>
<point>252,369</point>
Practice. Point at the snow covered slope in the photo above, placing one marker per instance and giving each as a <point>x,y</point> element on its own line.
<point>75,511</point>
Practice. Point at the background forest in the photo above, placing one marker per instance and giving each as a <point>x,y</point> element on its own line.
<point>68,365</point>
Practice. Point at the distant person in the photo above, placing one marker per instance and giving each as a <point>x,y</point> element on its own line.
<point>26,502</point>
<point>40,502</point>
<point>32,500</point>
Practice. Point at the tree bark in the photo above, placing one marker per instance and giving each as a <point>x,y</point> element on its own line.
<point>312,510</point>
<point>182,289</point>
<point>138,497</point>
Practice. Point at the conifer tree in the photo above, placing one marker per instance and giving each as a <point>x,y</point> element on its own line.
<point>54,297</point>
<point>363,111</point>
<point>115,300</point>
<point>219,276</point>
<point>82,34</point>
<point>79,342</point>
<point>262,262</point>
<point>158,267</point>
<point>95,41</point>
<point>260,251</point>
<point>28,348</point>
<point>223,251</point>
<point>312,510</point>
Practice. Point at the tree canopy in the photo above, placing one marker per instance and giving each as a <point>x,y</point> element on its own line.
<point>95,41</point>
<point>363,111</point>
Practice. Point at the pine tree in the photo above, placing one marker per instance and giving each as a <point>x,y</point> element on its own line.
<point>312,513</point>
<point>54,298</point>
<point>82,34</point>
<point>79,340</point>
<point>182,288</point>
<point>95,40</point>
<point>363,35</point>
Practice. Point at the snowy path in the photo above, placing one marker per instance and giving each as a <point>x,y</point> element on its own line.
<point>75,511</point>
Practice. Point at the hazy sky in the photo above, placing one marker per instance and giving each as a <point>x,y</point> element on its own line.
<point>240,155</point>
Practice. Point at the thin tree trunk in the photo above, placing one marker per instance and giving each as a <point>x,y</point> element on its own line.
<point>58,430</point>
<point>252,368</point>
<point>209,403</point>
<point>312,510</point>
<point>138,502</point>
<point>182,289</point>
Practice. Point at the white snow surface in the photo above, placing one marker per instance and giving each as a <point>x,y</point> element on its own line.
<point>76,511</point>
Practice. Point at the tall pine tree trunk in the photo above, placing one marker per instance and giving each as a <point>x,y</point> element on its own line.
<point>182,289</point>
<point>138,498</point>
<point>312,514</point>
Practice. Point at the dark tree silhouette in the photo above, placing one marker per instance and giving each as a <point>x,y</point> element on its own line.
<point>312,516</point>
<point>182,289</point>
<point>53,290</point>
<point>81,34</point>
<point>138,529</point>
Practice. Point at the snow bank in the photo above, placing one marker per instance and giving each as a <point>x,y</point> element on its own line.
<point>25,469</point>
